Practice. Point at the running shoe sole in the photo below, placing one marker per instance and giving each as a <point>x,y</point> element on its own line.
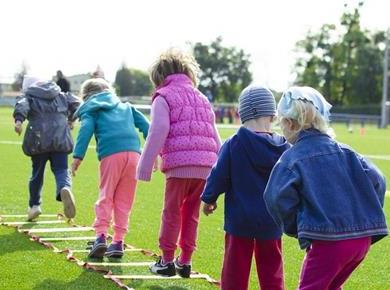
<point>68,201</point>
<point>98,251</point>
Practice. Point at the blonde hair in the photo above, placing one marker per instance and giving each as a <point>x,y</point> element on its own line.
<point>303,115</point>
<point>94,86</point>
<point>174,61</point>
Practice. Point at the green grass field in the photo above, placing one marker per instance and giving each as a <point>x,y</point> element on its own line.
<point>28,265</point>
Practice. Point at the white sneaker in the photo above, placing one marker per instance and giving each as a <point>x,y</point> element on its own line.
<point>33,212</point>
<point>68,201</point>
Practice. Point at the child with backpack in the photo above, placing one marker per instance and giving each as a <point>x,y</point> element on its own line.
<point>48,138</point>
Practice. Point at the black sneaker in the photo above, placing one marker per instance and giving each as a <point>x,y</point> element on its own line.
<point>99,248</point>
<point>115,250</point>
<point>159,268</point>
<point>183,271</point>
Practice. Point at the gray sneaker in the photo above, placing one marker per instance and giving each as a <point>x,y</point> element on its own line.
<point>33,212</point>
<point>68,201</point>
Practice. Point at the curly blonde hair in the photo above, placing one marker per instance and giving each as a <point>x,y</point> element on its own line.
<point>94,86</point>
<point>302,115</point>
<point>174,61</point>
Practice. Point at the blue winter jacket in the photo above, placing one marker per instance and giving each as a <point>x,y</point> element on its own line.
<point>113,123</point>
<point>244,164</point>
<point>48,111</point>
<point>323,190</point>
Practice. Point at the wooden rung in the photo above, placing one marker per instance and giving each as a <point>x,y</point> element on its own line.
<point>155,277</point>
<point>57,230</point>
<point>33,223</point>
<point>25,216</point>
<point>123,264</point>
<point>87,251</point>
<point>67,239</point>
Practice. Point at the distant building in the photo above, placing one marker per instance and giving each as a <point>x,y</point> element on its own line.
<point>6,87</point>
<point>76,81</point>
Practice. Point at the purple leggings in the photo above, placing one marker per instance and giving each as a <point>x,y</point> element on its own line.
<point>328,264</point>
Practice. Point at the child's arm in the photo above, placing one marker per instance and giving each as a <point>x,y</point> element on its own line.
<point>157,135</point>
<point>141,122</point>
<point>86,131</point>
<point>216,134</point>
<point>376,177</point>
<point>22,107</point>
<point>219,180</point>
<point>282,199</point>
<point>73,104</point>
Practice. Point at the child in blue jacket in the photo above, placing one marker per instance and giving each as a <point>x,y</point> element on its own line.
<point>244,164</point>
<point>324,193</point>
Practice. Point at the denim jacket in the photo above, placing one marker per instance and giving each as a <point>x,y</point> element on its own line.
<point>323,190</point>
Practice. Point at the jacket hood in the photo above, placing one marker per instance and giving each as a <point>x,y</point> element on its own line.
<point>44,90</point>
<point>263,150</point>
<point>101,101</point>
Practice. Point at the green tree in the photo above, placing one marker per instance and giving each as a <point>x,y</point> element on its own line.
<point>132,82</point>
<point>224,70</point>
<point>346,67</point>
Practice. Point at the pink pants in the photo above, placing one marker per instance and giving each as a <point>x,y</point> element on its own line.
<point>328,264</point>
<point>117,191</point>
<point>180,217</point>
<point>238,259</point>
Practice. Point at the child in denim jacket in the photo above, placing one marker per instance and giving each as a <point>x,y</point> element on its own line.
<point>323,193</point>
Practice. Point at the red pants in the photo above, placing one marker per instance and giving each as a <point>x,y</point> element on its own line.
<point>238,259</point>
<point>328,264</point>
<point>180,217</point>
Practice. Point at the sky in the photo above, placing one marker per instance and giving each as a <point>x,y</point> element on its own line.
<point>77,35</point>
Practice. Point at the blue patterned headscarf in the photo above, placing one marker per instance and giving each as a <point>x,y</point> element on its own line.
<point>306,94</point>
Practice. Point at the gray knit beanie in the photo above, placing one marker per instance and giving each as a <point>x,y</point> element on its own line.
<point>256,101</point>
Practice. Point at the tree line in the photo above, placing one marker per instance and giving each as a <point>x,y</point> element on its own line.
<point>343,61</point>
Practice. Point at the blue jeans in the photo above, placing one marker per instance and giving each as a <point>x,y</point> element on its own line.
<point>59,167</point>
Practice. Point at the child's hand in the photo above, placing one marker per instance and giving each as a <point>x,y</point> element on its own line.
<point>75,165</point>
<point>156,165</point>
<point>209,208</point>
<point>18,127</point>
<point>71,125</point>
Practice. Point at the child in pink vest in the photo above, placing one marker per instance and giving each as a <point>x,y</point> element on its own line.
<point>183,132</point>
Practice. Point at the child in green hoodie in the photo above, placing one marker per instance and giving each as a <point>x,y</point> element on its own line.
<point>118,147</point>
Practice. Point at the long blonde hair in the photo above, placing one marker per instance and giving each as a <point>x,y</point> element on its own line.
<point>94,86</point>
<point>302,115</point>
<point>174,61</point>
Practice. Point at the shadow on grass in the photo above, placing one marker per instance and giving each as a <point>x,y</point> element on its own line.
<point>86,280</point>
<point>17,242</point>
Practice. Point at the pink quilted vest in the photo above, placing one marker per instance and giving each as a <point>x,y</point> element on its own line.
<point>191,140</point>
